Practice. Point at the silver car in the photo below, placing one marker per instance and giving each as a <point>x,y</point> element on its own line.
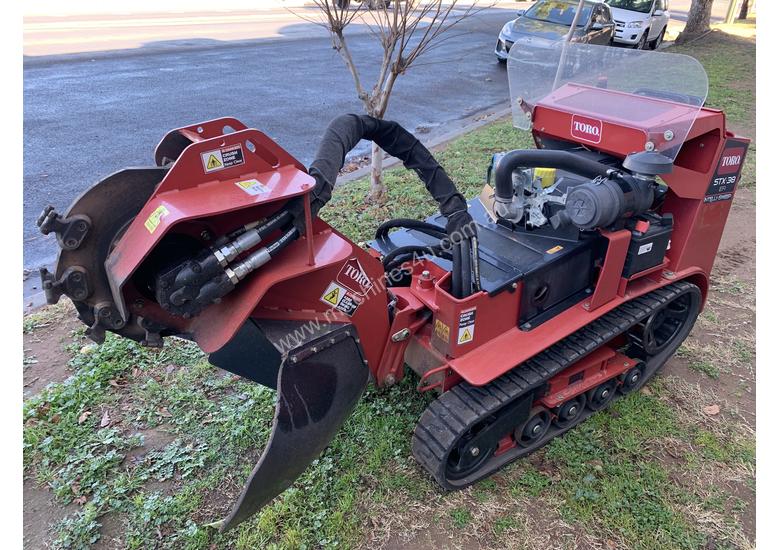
<point>550,20</point>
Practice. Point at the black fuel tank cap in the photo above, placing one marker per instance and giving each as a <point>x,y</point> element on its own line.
<point>651,163</point>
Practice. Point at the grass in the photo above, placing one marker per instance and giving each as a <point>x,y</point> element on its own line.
<point>162,441</point>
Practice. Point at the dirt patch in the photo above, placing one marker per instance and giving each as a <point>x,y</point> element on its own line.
<point>434,536</point>
<point>112,530</point>
<point>45,358</point>
<point>41,512</point>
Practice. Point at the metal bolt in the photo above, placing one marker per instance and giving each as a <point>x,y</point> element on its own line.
<point>668,135</point>
<point>514,286</point>
<point>536,429</point>
<point>474,451</point>
<point>625,363</point>
<point>425,274</point>
<point>649,146</point>
<point>401,335</point>
<point>138,304</point>
<point>605,393</point>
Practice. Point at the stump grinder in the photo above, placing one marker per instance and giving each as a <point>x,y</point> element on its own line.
<point>568,282</point>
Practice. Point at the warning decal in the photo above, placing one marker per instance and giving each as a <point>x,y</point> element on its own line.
<point>213,163</point>
<point>219,159</point>
<point>554,249</point>
<point>154,218</point>
<point>341,298</point>
<point>252,187</point>
<point>441,330</point>
<point>466,322</point>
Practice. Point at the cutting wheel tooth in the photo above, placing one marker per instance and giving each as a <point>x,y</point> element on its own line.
<point>96,333</point>
<point>44,214</point>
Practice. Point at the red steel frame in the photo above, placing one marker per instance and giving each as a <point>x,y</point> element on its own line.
<point>292,285</point>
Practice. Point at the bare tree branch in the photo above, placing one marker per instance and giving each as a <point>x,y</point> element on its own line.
<point>405,31</point>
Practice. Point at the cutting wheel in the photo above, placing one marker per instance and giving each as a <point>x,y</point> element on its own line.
<point>108,207</point>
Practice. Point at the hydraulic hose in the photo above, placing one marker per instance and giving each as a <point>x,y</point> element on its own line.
<point>423,227</point>
<point>405,253</point>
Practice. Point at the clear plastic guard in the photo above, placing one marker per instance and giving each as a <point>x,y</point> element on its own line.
<point>660,93</point>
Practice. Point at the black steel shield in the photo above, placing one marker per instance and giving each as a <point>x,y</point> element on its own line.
<point>318,385</point>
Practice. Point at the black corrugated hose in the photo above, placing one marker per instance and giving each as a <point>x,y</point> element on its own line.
<point>344,133</point>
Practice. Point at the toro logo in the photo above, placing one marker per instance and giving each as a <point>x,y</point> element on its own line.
<point>586,129</point>
<point>731,161</point>
<point>353,276</point>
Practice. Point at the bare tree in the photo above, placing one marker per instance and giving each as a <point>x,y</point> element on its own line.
<point>747,7</point>
<point>405,30</point>
<point>698,20</point>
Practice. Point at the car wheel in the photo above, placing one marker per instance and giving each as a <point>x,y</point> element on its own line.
<point>642,44</point>
<point>657,42</point>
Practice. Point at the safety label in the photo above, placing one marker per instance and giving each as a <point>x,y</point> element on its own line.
<point>466,323</point>
<point>219,159</point>
<point>154,218</point>
<point>554,249</point>
<point>644,249</point>
<point>341,298</point>
<point>252,187</point>
<point>441,330</point>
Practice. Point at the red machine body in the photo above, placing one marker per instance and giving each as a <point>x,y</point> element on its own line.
<point>292,287</point>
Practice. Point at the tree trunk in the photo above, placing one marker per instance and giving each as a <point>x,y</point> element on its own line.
<point>378,191</point>
<point>698,20</point>
<point>743,12</point>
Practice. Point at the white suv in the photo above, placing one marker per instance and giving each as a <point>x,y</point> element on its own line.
<point>640,23</point>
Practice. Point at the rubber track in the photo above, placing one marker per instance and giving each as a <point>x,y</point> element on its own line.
<point>447,418</point>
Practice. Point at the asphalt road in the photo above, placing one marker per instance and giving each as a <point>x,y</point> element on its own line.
<point>84,119</point>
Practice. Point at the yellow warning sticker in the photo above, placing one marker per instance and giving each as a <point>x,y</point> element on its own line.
<point>332,297</point>
<point>341,298</point>
<point>555,249</point>
<point>154,218</point>
<point>441,330</point>
<point>465,336</point>
<point>213,162</point>
<point>252,187</point>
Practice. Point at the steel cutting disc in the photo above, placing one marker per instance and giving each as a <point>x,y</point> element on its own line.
<point>111,205</point>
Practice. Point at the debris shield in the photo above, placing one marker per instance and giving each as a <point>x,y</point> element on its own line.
<point>318,385</point>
